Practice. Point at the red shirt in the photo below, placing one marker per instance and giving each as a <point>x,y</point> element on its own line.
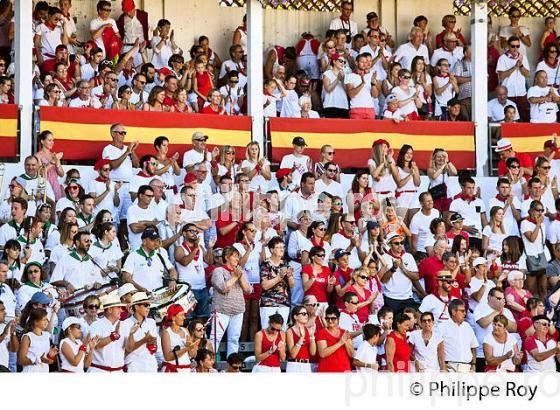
<point>362,313</point>
<point>48,66</point>
<point>524,159</point>
<point>169,101</point>
<point>452,236</point>
<point>203,83</point>
<point>338,362</point>
<point>402,353</point>
<point>342,278</point>
<point>224,219</point>
<point>208,110</point>
<point>319,286</point>
<point>274,359</point>
<point>428,269</point>
<point>439,38</point>
<point>303,353</point>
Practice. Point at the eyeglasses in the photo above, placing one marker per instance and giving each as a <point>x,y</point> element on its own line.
<point>239,367</point>
<point>341,61</point>
<point>330,48</point>
<point>321,229</point>
<point>2,65</point>
<point>545,324</point>
<point>330,318</point>
<point>149,196</point>
<point>427,320</point>
<point>406,77</point>
<point>201,140</point>
<point>550,51</point>
<point>123,133</point>
<point>364,277</point>
<point>252,230</point>
<point>73,188</point>
<point>107,10</point>
<point>112,78</point>
<point>146,305</point>
<point>397,243</point>
<point>546,167</point>
<point>273,329</point>
<point>331,170</point>
<point>354,302</point>
<point>142,82</point>
<point>498,298</point>
<point>329,153</point>
<point>515,45</point>
<point>312,305</point>
<point>514,166</point>
<point>92,307</point>
<point>337,203</point>
<point>320,255</point>
<point>233,82</point>
<point>200,329</point>
<point>302,314</point>
<point>105,169</point>
<point>350,222</point>
<point>452,21</point>
<point>192,231</point>
<point>55,91</point>
<point>44,305</point>
<point>540,210</point>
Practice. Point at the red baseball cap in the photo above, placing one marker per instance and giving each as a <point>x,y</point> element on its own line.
<point>128,5</point>
<point>190,177</point>
<point>282,172</point>
<point>381,141</point>
<point>101,163</point>
<point>165,71</point>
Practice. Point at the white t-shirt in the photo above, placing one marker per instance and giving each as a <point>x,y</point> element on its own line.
<point>542,112</point>
<point>160,57</point>
<point>337,98</point>
<point>500,349</point>
<point>536,247</point>
<point>301,166</point>
<point>427,355</point>
<point>406,53</point>
<point>95,24</point>
<point>399,286</point>
<point>366,353</point>
<point>351,323</point>
<point>452,57</point>
<point>471,211</point>
<point>50,39</point>
<point>551,72</point>
<point>402,95</point>
<point>192,157</point>
<point>136,214</point>
<point>481,311</point>
<point>124,171</point>
<point>508,31</point>
<point>363,99</point>
<point>496,110</point>
<point>510,224</point>
<point>290,105</point>
<point>495,239</point>
<point>420,225</point>
<point>515,83</point>
<point>437,306</point>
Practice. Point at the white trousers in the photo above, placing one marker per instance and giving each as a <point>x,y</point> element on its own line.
<point>266,312</point>
<point>233,326</point>
<point>295,367</point>
<point>297,291</point>
<point>265,369</point>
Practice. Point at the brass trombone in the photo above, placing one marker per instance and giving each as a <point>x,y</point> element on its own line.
<point>42,182</point>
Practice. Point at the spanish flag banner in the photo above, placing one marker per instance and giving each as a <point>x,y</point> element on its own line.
<point>528,137</point>
<point>352,139</point>
<point>9,131</point>
<point>82,133</point>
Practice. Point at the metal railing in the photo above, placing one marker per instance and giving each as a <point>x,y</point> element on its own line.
<point>494,134</point>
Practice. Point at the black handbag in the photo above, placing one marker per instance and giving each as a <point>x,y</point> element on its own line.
<point>439,191</point>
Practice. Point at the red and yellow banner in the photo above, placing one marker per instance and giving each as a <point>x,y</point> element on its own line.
<point>529,138</point>
<point>9,131</point>
<point>352,139</point>
<point>82,133</point>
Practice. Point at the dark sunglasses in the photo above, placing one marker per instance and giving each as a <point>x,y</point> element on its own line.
<point>92,306</point>
<point>302,314</point>
<point>514,45</point>
<point>312,304</point>
<point>320,255</point>
<point>397,243</point>
<point>330,318</point>
<point>364,277</point>
<point>120,132</point>
<point>354,303</point>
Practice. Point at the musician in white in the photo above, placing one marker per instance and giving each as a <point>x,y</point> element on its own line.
<point>31,239</point>
<point>146,266</point>
<point>14,227</point>
<point>108,355</point>
<point>140,336</point>
<point>76,270</point>
<point>35,184</point>
<point>190,258</point>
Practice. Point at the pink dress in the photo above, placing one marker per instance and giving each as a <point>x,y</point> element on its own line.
<point>52,178</point>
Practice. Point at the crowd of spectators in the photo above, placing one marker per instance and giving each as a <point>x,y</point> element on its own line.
<point>134,64</point>
<point>383,276</point>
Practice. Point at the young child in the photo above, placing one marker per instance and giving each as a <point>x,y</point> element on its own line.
<point>290,99</point>
<point>365,358</point>
<point>297,161</point>
<point>270,99</point>
<point>393,112</point>
<point>35,352</point>
<point>202,83</point>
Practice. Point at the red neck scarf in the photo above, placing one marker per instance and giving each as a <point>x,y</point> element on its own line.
<point>190,250</point>
<point>464,197</point>
<point>267,93</point>
<point>442,75</point>
<point>359,72</point>
<point>344,234</point>
<point>551,65</point>
<point>396,256</point>
<point>144,175</point>
<point>512,56</point>
<point>345,19</point>
<point>530,219</point>
<point>50,26</point>
<point>501,198</point>
<point>320,243</point>
<point>101,179</point>
<point>230,270</point>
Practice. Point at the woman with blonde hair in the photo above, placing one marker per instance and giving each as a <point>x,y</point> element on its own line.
<point>226,166</point>
<point>381,168</point>
<point>439,171</point>
<point>516,296</point>
<point>494,233</point>
<point>256,167</point>
<point>549,185</point>
<point>327,155</point>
